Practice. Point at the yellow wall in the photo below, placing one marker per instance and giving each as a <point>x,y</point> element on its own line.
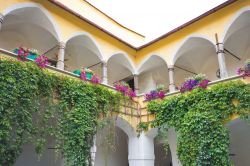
<point>166,48</point>
<point>70,24</point>
<point>206,27</point>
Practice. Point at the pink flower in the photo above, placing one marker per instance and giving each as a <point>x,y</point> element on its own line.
<point>83,76</point>
<point>22,54</point>
<point>203,84</point>
<point>42,61</point>
<point>95,79</point>
<point>161,94</point>
<point>131,93</point>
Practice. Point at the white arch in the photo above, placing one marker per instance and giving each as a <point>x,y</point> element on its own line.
<point>179,47</point>
<point>232,21</point>
<point>147,59</point>
<point>42,9</point>
<point>78,34</point>
<point>125,126</point>
<point>130,65</point>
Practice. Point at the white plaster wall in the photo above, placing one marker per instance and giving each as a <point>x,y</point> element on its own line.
<point>150,79</point>
<point>161,157</point>
<point>146,82</point>
<point>239,142</point>
<point>29,157</point>
<point>119,157</point>
<point>172,140</point>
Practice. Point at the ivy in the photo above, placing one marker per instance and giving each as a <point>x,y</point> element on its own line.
<point>36,104</point>
<point>199,116</point>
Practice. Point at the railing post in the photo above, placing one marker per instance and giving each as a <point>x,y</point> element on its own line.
<point>171,78</point>
<point>136,83</point>
<point>60,58</point>
<point>104,73</point>
<point>1,20</point>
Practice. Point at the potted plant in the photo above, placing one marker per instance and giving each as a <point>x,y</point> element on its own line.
<point>24,53</point>
<point>124,88</point>
<point>198,80</point>
<point>89,73</point>
<point>154,94</point>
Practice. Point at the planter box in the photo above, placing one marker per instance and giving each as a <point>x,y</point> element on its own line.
<point>89,75</point>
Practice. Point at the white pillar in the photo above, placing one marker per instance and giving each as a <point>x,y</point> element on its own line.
<point>93,152</point>
<point>60,58</point>
<point>141,151</point>
<point>104,73</point>
<point>221,59</point>
<point>136,84</point>
<point>1,20</point>
<point>172,140</point>
<point>171,78</point>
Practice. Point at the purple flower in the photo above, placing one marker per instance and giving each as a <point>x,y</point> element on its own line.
<point>148,97</point>
<point>154,94</point>
<point>239,71</point>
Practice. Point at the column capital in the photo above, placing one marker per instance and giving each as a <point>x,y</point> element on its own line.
<point>171,68</point>
<point>136,75</point>
<point>219,48</point>
<point>1,18</point>
<point>104,63</point>
<point>61,45</point>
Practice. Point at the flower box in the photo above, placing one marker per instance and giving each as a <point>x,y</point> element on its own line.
<point>89,75</point>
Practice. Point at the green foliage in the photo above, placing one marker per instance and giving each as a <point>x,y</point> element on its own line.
<point>199,117</point>
<point>142,126</point>
<point>36,104</point>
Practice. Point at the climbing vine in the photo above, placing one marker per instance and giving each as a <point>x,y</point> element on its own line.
<point>36,104</point>
<point>199,117</point>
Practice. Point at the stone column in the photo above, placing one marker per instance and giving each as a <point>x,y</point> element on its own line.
<point>172,140</point>
<point>60,58</point>
<point>136,83</point>
<point>104,73</point>
<point>221,60</point>
<point>171,78</point>
<point>141,151</point>
<point>93,152</point>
